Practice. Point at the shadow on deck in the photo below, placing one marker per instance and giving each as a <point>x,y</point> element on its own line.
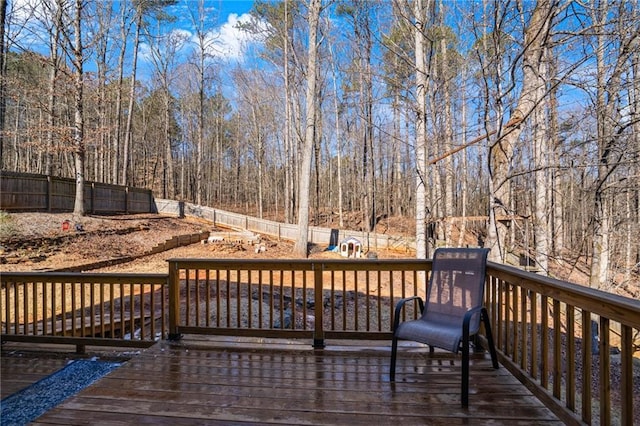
<point>206,380</point>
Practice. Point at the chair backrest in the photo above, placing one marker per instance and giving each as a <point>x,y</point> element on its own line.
<point>456,285</point>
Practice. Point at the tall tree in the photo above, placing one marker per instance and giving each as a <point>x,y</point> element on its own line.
<point>164,47</point>
<point>276,22</point>
<point>203,46</point>
<point>542,149</point>
<point>614,52</point>
<point>359,13</point>
<point>118,169</point>
<point>420,16</point>
<point>3,76</point>
<point>78,130</point>
<point>126,149</point>
<point>54,67</point>
<point>301,245</point>
<point>143,8</point>
<point>536,37</point>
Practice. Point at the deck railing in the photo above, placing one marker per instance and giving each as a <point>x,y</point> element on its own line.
<point>572,346</point>
<point>324,299</point>
<point>84,309</point>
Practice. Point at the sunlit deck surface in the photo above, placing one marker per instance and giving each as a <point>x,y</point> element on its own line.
<point>205,380</point>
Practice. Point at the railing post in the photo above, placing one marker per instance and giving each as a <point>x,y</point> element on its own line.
<point>174,301</point>
<point>318,334</point>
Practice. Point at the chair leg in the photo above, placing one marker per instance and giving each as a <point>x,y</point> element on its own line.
<point>394,350</point>
<point>487,328</point>
<point>464,394</point>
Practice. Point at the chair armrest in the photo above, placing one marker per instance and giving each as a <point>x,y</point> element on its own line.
<point>467,319</point>
<point>400,305</point>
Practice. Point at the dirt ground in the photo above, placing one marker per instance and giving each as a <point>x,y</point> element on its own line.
<point>39,241</point>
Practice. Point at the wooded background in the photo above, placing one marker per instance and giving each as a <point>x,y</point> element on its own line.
<point>519,116</point>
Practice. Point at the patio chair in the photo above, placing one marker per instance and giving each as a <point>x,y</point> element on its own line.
<point>453,310</point>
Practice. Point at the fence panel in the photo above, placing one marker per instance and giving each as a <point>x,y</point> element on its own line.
<point>24,191</point>
<point>317,235</point>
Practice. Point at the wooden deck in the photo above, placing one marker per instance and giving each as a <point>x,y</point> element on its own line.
<point>223,381</point>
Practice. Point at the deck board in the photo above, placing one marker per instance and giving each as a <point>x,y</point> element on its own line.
<point>197,382</point>
<point>31,369</point>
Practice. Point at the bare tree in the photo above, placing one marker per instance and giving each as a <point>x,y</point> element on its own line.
<point>338,134</point>
<point>612,67</point>
<point>360,16</point>
<point>143,8</point>
<point>125,29</point>
<point>3,76</point>
<point>536,36</point>
<point>78,131</point>
<point>420,16</point>
<point>126,149</point>
<point>164,47</point>
<point>202,58</point>
<point>541,167</point>
<point>53,79</point>
<point>300,248</point>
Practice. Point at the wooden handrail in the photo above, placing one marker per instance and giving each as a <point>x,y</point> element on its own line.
<point>617,308</point>
<point>541,322</point>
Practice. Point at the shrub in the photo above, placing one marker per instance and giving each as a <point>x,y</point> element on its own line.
<point>7,227</point>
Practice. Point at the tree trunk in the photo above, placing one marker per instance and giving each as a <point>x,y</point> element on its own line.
<point>447,145</point>
<point>132,95</point>
<point>53,77</point>
<point>338,135</point>
<point>300,248</point>
<point>289,154</point>
<point>462,230</point>
<point>3,76</point>
<point>535,38</point>
<point>541,205</point>
<point>600,241</point>
<point>124,32</point>
<point>542,149</point>
<point>421,131</point>
<point>169,175</point>
<point>555,198</point>
<point>78,136</point>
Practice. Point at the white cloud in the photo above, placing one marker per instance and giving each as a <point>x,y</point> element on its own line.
<point>229,42</point>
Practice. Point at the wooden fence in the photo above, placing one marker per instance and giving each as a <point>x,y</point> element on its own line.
<point>371,241</point>
<point>32,192</point>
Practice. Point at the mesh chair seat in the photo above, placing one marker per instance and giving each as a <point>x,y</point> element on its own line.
<point>440,334</point>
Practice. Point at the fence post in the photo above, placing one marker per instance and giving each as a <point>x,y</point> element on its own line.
<point>174,301</point>
<point>126,200</point>
<point>49,194</point>
<point>93,198</point>
<point>318,308</point>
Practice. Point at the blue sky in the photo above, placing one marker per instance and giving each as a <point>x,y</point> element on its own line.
<point>222,18</point>
<point>27,18</point>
